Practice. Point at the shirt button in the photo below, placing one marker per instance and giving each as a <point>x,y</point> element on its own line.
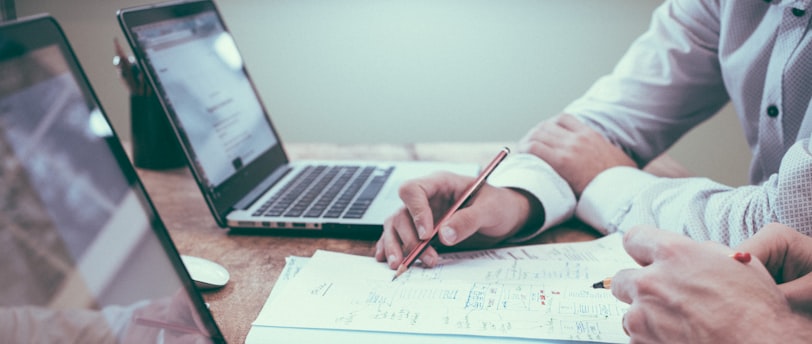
<point>798,12</point>
<point>772,111</point>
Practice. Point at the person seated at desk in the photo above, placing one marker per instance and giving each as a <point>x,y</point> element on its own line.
<point>675,300</point>
<point>696,56</point>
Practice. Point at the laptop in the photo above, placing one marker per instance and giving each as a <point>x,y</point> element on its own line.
<point>84,257</point>
<point>233,149</point>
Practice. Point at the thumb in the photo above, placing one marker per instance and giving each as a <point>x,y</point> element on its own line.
<point>460,226</point>
<point>798,294</point>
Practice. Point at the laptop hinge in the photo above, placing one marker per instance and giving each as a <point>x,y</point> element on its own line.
<point>261,188</point>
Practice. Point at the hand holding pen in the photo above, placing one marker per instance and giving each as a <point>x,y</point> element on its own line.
<point>688,291</point>
<point>461,201</point>
<point>495,214</point>
<point>741,257</point>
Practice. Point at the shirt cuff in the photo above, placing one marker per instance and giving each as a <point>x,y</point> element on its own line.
<point>609,197</point>
<point>531,174</point>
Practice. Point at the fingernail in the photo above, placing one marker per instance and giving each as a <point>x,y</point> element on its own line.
<point>428,260</point>
<point>390,259</point>
<point>449,234</point>
<point>421,231</point>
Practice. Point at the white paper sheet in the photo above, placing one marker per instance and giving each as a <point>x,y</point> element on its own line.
<point>520,293</point>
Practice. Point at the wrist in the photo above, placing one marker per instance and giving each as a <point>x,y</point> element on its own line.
<point>520,213</point>
<point>533,217</point>
<point>538,182</point>
<point>773,325</point>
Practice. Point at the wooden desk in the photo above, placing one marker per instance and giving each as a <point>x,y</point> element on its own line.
<point>255,262</point>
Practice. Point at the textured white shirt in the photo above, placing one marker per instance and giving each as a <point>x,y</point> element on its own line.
<point>696,56</point>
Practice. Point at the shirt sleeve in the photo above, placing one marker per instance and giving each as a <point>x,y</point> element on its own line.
<point>534,176</point>
<point>698,207</point>
<point>668,82</point>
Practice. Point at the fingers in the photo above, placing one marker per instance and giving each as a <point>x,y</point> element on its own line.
<point>570,123</point>
<point>787,255</point>
<point>771,245</point>
<point>493,214</point>
<point>644,242</point>
<point>415,196</point>
<point>785,252</point>
<point>798,294</point>
<point>542,138</point>
<point>636,325</point>
<point>554,140</point>
<point>399,238</point>
<point>442,190</point>
<point>388,247</point>
<point>422,198</point>
<point>623,285</point>
<point>623,322</point>
<point>459,227</point>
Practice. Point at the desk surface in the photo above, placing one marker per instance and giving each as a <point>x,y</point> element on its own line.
<point>255,262</point>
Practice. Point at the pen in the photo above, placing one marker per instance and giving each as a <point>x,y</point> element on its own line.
<point>181,328</point>
<point>742,257</point>
<point>469,192</point>
<point>605,284</point>
<point>127,68</point>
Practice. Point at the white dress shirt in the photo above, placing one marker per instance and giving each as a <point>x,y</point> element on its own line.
<point>696,56</point>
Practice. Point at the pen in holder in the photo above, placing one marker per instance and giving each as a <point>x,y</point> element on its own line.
<point>154,144</point>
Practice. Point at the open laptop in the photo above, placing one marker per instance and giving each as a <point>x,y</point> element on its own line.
<point>84,257</point>
<point>232,148</point>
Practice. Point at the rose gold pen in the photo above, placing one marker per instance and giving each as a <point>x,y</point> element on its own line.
<point>469,192</point>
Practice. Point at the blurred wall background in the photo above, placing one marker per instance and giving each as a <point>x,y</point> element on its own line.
<point>397,71</point>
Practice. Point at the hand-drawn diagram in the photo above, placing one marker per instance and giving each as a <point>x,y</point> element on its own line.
<point>487,294</point>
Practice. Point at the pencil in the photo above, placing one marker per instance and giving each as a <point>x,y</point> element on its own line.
<point>605,284</point>
<point>742,257</point>
<point>125,67</point>
<point>469,192</point>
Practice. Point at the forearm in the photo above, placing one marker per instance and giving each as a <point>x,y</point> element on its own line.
<point>701,208</point>
<point>667,82</point>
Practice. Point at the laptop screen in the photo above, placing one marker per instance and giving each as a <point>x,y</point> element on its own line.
<point>83,256</point>
<point>201,75</point>
<point>198,74</point>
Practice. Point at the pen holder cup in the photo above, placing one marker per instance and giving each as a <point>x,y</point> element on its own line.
<point>155,146</point>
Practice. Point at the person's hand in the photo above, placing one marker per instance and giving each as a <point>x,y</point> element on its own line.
<point>493,215</point>
<point>787,254</point>
<point>692,292</point>
<point>574,150</point>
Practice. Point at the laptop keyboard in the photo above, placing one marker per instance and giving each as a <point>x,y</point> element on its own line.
<point>327,191</point>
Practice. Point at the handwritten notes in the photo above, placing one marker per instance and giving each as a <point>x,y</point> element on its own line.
<point>533,292</point>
